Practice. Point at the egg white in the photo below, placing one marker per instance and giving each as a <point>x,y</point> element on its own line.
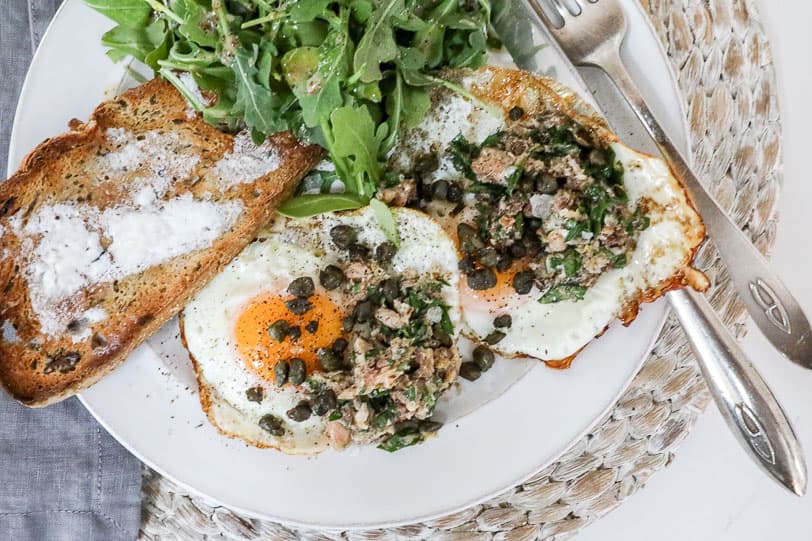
<point>286,250</point>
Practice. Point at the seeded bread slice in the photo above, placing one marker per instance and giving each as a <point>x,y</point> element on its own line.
<point>106,232</point>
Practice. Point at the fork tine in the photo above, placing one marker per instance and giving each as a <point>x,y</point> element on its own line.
<point>562,9</point>
<point>542,13</point>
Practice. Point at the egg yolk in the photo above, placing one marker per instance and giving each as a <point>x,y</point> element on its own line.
<point>502,291</point>
<point>317,328</point>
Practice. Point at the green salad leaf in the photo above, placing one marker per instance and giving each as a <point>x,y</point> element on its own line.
<point>307,205</point>
<point>386,220</point>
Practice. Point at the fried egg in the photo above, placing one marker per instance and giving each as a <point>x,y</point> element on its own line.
<point>551,331</point>
<point>226,327</point>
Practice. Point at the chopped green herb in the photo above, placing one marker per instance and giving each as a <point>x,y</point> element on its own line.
<point>563,292</point>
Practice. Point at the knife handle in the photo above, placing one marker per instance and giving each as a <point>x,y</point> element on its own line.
<point>744,399</point>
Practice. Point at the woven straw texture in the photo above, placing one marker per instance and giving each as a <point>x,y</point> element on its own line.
<point>723,62</point>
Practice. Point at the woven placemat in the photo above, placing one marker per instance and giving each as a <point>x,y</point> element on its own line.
<point>723,62</point>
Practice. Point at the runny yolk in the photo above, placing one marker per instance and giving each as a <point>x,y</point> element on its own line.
<point>260,352</point>
<point>502,291</point>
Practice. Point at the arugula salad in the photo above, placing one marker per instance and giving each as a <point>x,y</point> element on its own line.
<point>348,75</point>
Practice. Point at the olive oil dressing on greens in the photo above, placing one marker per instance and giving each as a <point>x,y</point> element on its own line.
<point>348,75</point>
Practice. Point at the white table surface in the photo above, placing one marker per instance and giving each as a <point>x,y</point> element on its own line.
<point>713,491</point>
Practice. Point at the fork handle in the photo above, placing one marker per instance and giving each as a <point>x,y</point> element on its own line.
<point>769,302</point>
<point>744,399</point>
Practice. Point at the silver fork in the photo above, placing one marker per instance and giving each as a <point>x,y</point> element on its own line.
<point>592,35</point>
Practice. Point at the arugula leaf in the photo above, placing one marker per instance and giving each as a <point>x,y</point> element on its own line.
<point>254,100</point>
<point>195,27</point>
<point>127,13</point>
<point>359,144</point>
<point>386,220</point>
<point>139,43</point>
<point>378,45</point>
<point>308,10</point>
<point>321,94</point>
<point>303,206</point>
<point>416,102</point>
<point>430,40</point>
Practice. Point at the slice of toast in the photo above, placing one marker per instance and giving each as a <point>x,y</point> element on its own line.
<point>106,232</point>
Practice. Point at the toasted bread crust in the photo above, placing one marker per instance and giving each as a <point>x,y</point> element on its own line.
<point>39,369</point>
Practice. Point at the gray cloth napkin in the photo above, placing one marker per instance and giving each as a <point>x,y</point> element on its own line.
<point>62,477</point>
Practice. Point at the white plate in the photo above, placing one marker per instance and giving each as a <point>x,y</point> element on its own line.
<point>514,421</point>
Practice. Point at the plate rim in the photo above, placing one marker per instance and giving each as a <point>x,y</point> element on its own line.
<point>683,138</point>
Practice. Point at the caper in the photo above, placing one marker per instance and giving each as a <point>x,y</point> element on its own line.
<point>504,262</point>
<point>364,311</point>
<point>328,359</point>
<point>487,256</point>
<point>255,394</point>
<point>532,244</point>
<point>517,250</point>
<point>597,157</point>
<point>299,306</point>
<point>385,252</point>
<point>340,346</point>
<point>312,327</point>
<point>503,322</point>
<point>469,238</point>
<point>347,323</point>
<point>442,337</point>
<point>427,426</point>
<point>483,358</point>
<point>358,252</point>
<point>331,277</point>
<point>481,279</point>
<point>343,236</point>
<point>495,337</point>
<point>324,402</point>
<point>271,424</point>
<point>454,193</point>
<point>470,371</point>
<point>298,371</point>
<point>523,281</point>
<point>295,332</point>
<point>302,287</point>
<point>390,289</point>
<point>526,185</point>
<point>426,162</point>
<point>466,265</point>
<point>439,190</point>
<point>300,412</point>
<point>280,372</point>
<point>278,330</point>
<point>516,113</point>
<point>546,184</point>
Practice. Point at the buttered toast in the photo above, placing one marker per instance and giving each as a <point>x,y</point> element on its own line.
<point>108,230</point>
